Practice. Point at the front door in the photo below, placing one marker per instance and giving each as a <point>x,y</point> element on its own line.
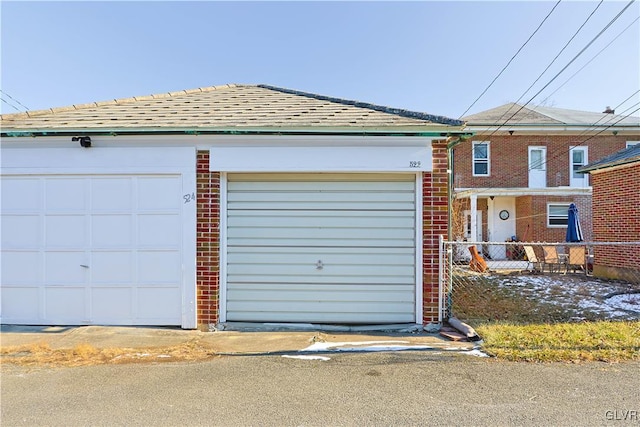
<point>537,167</point>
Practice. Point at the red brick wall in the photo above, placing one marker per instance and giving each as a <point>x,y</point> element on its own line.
<point>434,224</point>
<point>616,216</point>
<point>207,242</point>
<point>509,158</point>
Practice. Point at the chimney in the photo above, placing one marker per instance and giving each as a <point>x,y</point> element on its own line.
<point>608,110</point>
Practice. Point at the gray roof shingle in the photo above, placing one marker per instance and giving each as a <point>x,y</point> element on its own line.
<point>232,106</point>
<point>535,115</point>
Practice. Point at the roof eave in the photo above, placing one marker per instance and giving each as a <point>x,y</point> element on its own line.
<point>435,130</point>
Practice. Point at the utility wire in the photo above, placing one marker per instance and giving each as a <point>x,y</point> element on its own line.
<point>13,99</point>
<point>563,69</point>
<point>9,104</point>
<point>591,60</point>
<point>511,60</point>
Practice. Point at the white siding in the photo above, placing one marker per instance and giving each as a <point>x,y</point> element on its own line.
<point>360,229</point>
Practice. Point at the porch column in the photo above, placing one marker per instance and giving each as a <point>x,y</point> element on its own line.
<point>473,200</point>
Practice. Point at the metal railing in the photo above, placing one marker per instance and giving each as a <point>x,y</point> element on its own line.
<point>534,282</point>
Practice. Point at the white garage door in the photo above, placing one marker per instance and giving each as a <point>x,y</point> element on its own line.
<point>92,249</point>
<point>321,248</point>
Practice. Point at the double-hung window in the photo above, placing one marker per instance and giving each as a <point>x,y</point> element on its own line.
<point>577,160</point>
<point>557,214</point>
<point>481,165</point>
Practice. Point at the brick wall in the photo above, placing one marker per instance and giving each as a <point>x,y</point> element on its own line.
<point>434,222</point>
<point>207,242</point>
<point>616,218</point>
<point>509,158</point>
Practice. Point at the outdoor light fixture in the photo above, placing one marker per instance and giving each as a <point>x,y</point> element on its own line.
<point>85,141</point>
<point>510,132</point>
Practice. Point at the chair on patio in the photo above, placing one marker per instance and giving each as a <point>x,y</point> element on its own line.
<point>576,259</point>
<point>532,260</point>
<point>551,258</point>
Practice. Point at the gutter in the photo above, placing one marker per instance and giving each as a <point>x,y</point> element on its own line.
<point>258,131</point>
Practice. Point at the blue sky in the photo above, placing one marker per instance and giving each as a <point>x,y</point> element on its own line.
<point>429,56</point>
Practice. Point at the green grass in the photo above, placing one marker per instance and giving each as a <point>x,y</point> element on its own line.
<point>562,342</point>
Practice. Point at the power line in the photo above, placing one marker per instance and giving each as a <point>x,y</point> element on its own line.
<point>13,99</point>
<point>563,69</point>
<point>591,60</point>
<point>9,104</point>
<point>511,60</point>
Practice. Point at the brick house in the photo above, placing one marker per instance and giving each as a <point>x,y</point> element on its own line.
<point>518,174</point>
<point>616,213</point>
<point>234,203</point>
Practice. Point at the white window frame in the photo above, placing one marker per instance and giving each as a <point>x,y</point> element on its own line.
<point>632,143</point>
<point>582,181</point>
<point>566,210</point>
<point>486,161</point>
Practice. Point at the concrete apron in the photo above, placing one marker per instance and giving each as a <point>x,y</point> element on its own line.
<point>235,339</point>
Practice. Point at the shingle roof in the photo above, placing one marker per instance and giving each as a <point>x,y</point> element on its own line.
<point>232,106</point>
<point>626,156</point>
<point>534,115</point>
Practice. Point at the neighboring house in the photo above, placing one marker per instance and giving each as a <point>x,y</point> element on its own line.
<point>518,174</point>
<point>236,203</point>
<point>616,213</point>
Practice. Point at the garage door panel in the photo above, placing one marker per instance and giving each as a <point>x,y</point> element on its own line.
<point>348,219</point>
<point>115,268</point>
<point>301,293</point>
<point>111,302</point>
<point>65,194</point>
<point>65,268</point>
<point>313,233</point>
<point>65,231</point>
<point>303,242</point>
<point>276,197</point>
<point>112,231</point>
<point>237,279</point>
<point>320,183</point>
<point>318,206</point>
<point>110,194</point>
<point>65,305</point>
<point>304,256</point>
<point>283,271</point>
<point>21,231</point>
<point>164,308</point>
<point>21,267</point>
<point>159,267</point>
<point>20,304</point>
<point>159,193</point>
<point>21,195</point>
<point>160,230</point>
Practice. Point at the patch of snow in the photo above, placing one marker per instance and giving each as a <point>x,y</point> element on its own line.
<point>475,352</point>
<point>630,302</point>
<point>366,346</point>
<point>304,357</point>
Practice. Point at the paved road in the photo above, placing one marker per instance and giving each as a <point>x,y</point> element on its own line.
<point>403,388</point>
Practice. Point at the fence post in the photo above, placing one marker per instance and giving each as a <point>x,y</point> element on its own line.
<point>441,267</point>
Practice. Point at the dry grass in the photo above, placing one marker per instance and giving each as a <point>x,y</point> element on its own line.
<point>567,342</point>
<point>42,354</point>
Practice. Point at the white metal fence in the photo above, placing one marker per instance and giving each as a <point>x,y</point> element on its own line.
<point>537,282</point>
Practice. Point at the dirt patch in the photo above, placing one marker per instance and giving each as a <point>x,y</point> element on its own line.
<point>41,354</point>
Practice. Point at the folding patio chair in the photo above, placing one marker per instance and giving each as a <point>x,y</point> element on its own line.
<point>576,259</point>
<point>532,260</point>
<point>551,258</point>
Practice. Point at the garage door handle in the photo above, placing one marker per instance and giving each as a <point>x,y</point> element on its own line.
<point>319,265</point>
<point>84,266</point>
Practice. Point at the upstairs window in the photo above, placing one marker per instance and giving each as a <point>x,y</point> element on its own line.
<point>557,214</point>
<point>481,158</point>
<point>577,160</point>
